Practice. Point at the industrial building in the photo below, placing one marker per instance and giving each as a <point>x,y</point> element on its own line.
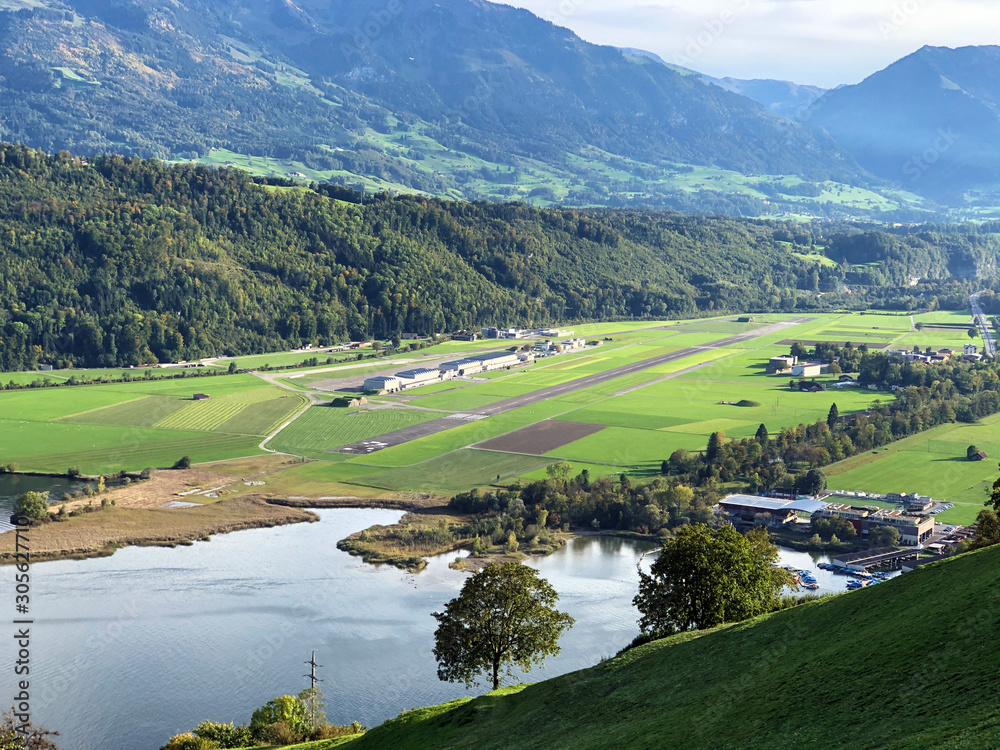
<point>572,345</point>
<point>420,376</point>
<point>495,360</point>
<point>913,529</point>
<point>386,383</point>
<point>767,511</point>
<point>461,367</point>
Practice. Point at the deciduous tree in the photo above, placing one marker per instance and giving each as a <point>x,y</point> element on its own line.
<point>705,577</point>
<point>505,616</point>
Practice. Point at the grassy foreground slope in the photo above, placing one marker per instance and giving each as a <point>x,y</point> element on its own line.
<point>907,664</point>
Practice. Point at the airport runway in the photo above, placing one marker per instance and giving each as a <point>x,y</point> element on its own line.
<point>434,426</point>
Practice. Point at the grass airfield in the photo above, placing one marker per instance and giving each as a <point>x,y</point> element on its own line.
<point>633,422</point>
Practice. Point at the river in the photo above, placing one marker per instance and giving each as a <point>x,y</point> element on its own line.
<point>131,649</point>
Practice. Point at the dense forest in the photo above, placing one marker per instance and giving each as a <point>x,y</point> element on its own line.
<point>122,261</point>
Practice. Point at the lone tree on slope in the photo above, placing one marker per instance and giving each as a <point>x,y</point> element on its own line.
<point>504,616</point>
<point>705,578</point>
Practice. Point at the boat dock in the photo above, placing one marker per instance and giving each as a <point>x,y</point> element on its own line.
<point>885,557</point>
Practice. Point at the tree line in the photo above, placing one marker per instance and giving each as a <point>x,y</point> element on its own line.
<point>126,262</point>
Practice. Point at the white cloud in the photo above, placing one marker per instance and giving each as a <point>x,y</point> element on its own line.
<point>823,42</point>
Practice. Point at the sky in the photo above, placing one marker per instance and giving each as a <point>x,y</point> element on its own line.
<point>819,42</point>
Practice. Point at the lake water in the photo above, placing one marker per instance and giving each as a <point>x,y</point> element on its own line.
<point>829,582</point>
<point>131,649</point>
<point>12,486</point>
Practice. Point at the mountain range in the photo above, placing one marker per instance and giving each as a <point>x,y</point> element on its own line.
<point>930,122</point>
<point>466,99</point>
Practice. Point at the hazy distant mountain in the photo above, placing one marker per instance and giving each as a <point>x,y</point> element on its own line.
<point>930,121</point>
<point>784,97</point>
<point>403,91</point>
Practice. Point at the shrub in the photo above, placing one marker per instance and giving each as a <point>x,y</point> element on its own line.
<point>183,463</point>
<point>188,741</point>
<point>747,402</point>
<point>33,505</point>
<point>146,473</point>
<point>331,731</point>
<point>279,733</point>
<point>225,735</point>
<point>73,471</point>
<point>285,709</point>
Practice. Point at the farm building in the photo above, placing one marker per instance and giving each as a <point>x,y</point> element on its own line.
<point>785,363</point>
<point>747,319</point>
<point>811,387</point>
<point>979,456</point>
<point>461,367</point>
<point>386,383</point>
<point>810,370</point>
<point>201,397</point>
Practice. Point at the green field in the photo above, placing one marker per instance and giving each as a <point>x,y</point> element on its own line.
<point>822,675</point>
<point>648,414</point>
<point>104,428</point>
<point>323,428</point>
<point>931,463</point>
<point>457,471</point>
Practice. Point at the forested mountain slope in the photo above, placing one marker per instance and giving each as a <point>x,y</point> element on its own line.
<point>125,261</point>
<point>460,98</point>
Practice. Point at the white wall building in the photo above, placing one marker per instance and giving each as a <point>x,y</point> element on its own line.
<point>386,383</point>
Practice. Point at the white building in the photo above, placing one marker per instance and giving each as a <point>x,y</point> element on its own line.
<point>385,383</point>
<point>572,345</point>
<point>461,368</point>
<point>808,370</point>
<point>419,376</point>
<point>971,349</point>
<point>496,360</point>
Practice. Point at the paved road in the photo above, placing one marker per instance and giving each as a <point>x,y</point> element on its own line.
<point>984,324</point>
<point>434,426</point>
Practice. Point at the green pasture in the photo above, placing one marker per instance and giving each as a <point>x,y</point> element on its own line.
<point>97,449</point>
<point>457,471</point>
<point>323,428</point>
<point>103,428</point>
<point>930,463</point>
<point>624,446</point>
